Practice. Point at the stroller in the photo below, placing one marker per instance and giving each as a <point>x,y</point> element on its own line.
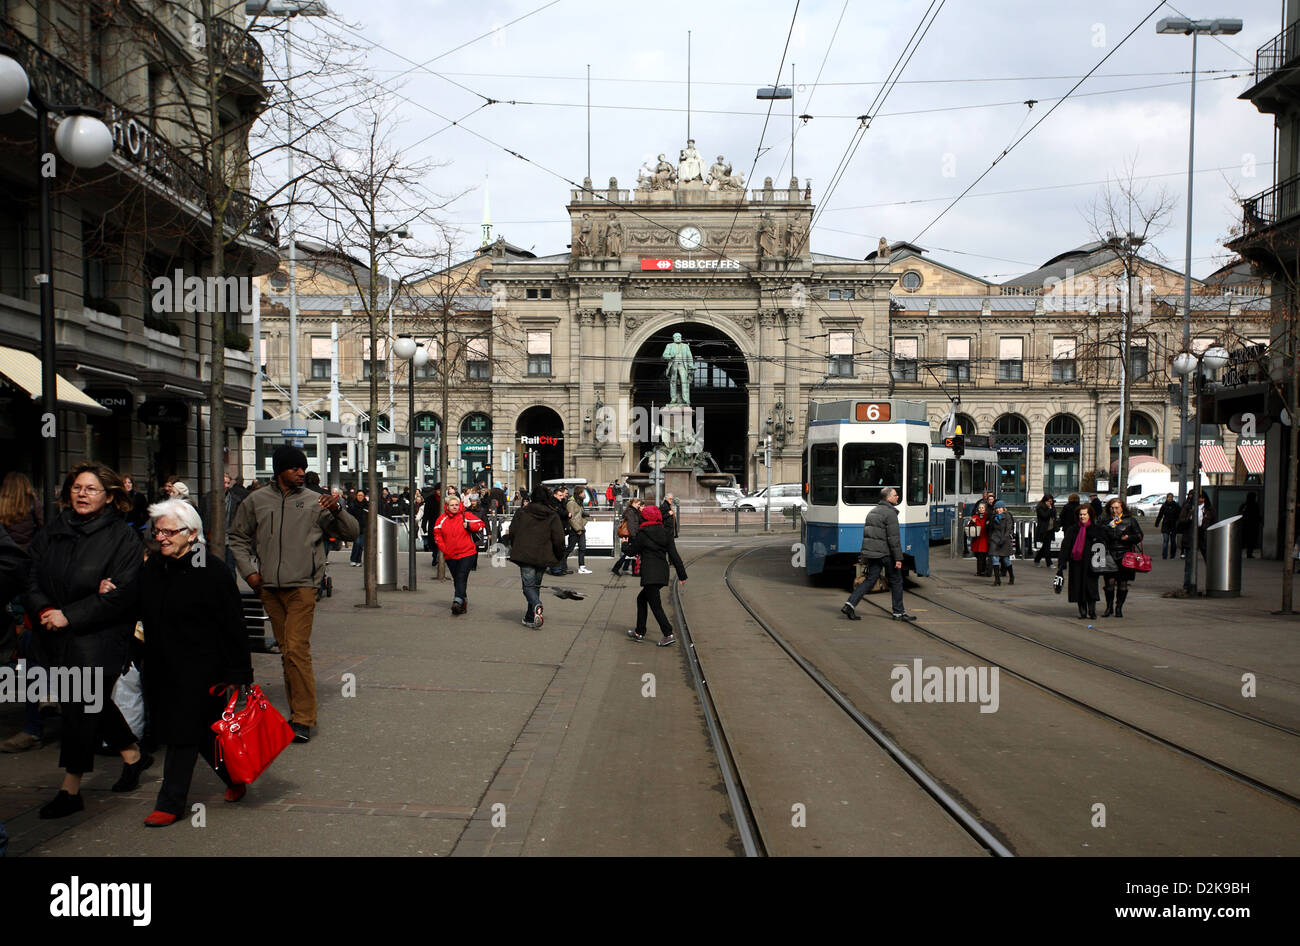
<point>326,587</point>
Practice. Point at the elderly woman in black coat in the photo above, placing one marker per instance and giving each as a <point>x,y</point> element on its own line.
<point>1082,539</point>
<point>1123,534</point>
<point>194,639</point>
<point>81,594</point>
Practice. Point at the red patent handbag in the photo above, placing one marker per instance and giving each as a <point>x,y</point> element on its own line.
<point>249,740</point>
<point>1139,561</point>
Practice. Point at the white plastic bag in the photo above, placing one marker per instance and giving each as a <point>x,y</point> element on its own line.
<point>129,697</point>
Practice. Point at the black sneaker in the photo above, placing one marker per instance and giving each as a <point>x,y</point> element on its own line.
<point>904,616</point>
<point>634,635</point>
<point>131,773</point>
<point>62,806</point>
<point>301,733</point>
<point>849,613</point>
<point>667,641</point>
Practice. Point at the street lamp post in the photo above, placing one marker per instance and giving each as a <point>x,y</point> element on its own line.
<point>1185,364</point>
<point>84,141</point>
<point>413,352</point>
<point>1179,25</point>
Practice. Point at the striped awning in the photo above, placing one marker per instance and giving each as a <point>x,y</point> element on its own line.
<point>1252,457</point>
<point>1213,459</point>
<point>24,370</point>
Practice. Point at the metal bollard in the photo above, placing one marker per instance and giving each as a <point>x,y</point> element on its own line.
<point>955,536</point>
<point>736,509</point>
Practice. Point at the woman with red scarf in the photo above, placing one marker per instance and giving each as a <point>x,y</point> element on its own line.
<point>979,545</point>
<point>654,543</point>
<point>454,534</point>
<point>1082,540</point>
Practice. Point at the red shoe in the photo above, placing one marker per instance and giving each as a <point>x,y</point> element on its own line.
<point>236,792</point>
<point>160,819</point>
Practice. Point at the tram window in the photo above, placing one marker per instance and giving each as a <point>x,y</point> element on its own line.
<point>868,467</point>
<point>950,476</point>
<point>824,485</point>
<point>979,479</point>
<point>918,458</point>
<point>966,487</point>
<point>936,481</point>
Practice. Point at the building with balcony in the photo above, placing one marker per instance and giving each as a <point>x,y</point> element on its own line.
<point>134,361</point>
<point>1268,237</point>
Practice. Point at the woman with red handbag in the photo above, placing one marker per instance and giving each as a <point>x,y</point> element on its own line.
<point>194,639</point>
<point>1123,535</point>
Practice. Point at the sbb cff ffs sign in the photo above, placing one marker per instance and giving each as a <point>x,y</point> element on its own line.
<point>656,265</point>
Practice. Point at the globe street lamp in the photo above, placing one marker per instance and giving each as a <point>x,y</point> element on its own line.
<point>84,141</point>
<point>1186,363</point>
<point>1183,26</point>
<point>408,349</point>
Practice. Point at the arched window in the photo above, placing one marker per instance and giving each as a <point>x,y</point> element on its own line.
<point>966,423</point>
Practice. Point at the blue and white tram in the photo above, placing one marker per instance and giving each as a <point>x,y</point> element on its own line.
<point>853,449</point>
<point>956,484</point>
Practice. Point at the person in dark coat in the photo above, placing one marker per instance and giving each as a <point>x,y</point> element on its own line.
<point>1204,516</point>
<point>194,639</point>
<point>14,566</point>
<point>1045,528</point>
<point>882,553</point>
<point>1251,521</point>
<point>1069,514</point>
<point>632,520</point>
<point>82,594</point>
<point>138,517</point>
<point>1098,511</point>
<point>359,509</point>
<point>536,541</point>
<point>654,543</point>
<point>21,518</point>
<point>1123,534</point>
<point>668,511</point>
<point>1077,548</point>
<point>1167,523</point>
<point>1002,537</point>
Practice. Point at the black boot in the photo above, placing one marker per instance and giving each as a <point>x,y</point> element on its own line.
<point>131,772</point>
<point>1083,610</point>
<point>997,575</point>
<point>1110,602</point>
<point>1092,610</point>
<point>1119,602</point>
<point>62,806</point>
<point>1011,574</point>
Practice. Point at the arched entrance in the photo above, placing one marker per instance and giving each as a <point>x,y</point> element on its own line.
<point>1011,441</point>
<point>719,392</point>
<point>539,431</point>
<point>428,437</point>
<point>966,423</point>
<point>1062,454</point>
<point>475,449</point>
<point>1142,439</point>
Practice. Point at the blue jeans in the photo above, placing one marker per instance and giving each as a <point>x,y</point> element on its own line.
<point>459,568</point>
<point>359,546</point>
<point>1169,545</point>
<point>1000,560</point>
<point>892,575</point>
<point>531,578</point>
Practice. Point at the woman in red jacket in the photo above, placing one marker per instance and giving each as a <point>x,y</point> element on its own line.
<point>979,545</point>
<point>454,534</point>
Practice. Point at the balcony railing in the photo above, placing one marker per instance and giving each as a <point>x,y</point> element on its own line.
<point>239,50</point>
<point>169,169</point>
<point>1276,53</point>
<point>1280,202</point>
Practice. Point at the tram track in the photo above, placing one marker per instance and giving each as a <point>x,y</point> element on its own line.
<point>747,823</point>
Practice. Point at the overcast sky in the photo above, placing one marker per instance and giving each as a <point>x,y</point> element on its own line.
<point>958,105</point>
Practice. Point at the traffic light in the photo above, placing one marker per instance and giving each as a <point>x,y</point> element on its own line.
<point>956,443</point>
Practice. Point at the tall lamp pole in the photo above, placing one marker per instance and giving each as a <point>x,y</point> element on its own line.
<point>84,141</point>
<point>1185,364</point>
<point>414,353</point>
<point>1181,25</point>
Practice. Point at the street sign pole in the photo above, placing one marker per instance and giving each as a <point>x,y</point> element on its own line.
<point>767,460</point>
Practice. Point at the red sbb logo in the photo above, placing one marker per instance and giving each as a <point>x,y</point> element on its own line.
<point>656,265</point>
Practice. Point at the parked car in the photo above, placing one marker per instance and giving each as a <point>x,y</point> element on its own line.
<point>1148,505</point>
<point>784,495</point>
<point>728,496</point>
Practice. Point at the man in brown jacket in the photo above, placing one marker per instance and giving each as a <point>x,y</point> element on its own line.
<point>278,540</point>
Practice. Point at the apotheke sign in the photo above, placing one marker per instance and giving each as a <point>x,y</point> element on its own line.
<point>688,265</point>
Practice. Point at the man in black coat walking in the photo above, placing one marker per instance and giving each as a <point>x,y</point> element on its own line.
<point>536,541</point>
<point>1167,523</point>
<point>882,551</point>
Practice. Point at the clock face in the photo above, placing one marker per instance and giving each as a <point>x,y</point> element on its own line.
<point>690,238</point>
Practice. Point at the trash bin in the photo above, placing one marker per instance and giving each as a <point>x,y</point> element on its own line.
<point>1223,559</point>
<point>386,564</point>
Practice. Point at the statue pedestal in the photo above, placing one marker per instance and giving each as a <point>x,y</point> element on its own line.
<point>676,424</point>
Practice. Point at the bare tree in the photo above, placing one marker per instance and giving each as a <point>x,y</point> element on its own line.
<point>1125,217</point>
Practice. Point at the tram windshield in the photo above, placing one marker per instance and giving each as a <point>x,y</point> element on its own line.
<point>867,468</point>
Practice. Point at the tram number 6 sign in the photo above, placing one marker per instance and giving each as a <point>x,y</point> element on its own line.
<point>872,411</point>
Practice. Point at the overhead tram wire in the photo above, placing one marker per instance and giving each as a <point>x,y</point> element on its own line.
<point>1006,151</point>
<point>813,90</point>
<point>895,73</point>
<point>481,36</point>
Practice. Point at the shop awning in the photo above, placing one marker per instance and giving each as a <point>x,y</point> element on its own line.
<point>23,369</point>
<point>1252,457</point>
<point>1213,459</point>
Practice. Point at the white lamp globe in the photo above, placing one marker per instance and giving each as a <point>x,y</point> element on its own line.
<point>14,85</point>
<point>1215,358</point>
<point>83,140</point>
<point>421,356</point>
<point>1184,364</point>
<point>404,347</point>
